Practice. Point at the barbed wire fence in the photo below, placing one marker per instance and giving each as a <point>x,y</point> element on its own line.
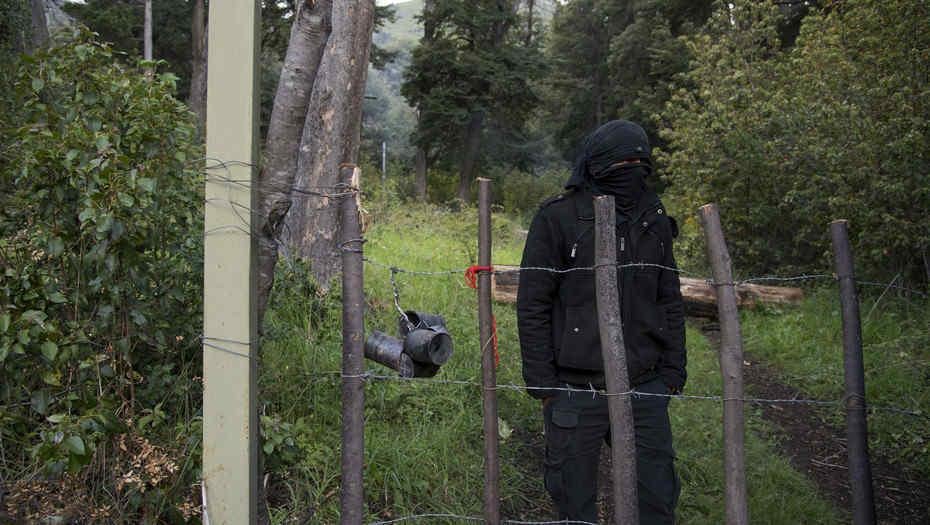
<point>335,195</point>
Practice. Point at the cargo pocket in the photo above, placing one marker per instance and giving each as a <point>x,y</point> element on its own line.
<point>560,429</point>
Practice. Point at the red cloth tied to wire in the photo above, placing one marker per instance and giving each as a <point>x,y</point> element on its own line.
<point>471,279</point>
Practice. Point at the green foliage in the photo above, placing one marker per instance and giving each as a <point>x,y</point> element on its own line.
<point>786,141</point>
<point>423,444</point>
<point>15,27</point>
<point>120,22</point>
<point>470,62</point>
<point>100,221</point>
<point>806,346</point>
<point>698,434</point>
<point>614,60</point>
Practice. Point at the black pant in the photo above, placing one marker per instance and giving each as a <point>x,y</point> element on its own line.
<point>577,423</point>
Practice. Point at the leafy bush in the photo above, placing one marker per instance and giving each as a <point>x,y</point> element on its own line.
<point>787,141</point>
<point>100,245</point>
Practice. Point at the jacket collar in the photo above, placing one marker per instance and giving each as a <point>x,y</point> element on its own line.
<point>584,204</point>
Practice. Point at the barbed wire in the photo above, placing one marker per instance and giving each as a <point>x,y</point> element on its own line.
<point>448,516</point>
<point>266,186</point>
<point>339,190</point>
<point>513,268</point>
<point>209,342</point>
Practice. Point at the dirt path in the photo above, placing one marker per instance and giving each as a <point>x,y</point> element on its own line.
<point>818,449</point>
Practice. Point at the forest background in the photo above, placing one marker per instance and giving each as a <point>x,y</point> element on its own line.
<point>787,114</point>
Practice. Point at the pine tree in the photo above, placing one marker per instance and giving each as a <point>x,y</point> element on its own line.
<point>473,70</point>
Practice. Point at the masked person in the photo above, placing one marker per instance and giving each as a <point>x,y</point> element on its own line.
<point>558,325</point>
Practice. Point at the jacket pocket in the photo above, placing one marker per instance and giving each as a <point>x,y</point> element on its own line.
<point>581,340</point>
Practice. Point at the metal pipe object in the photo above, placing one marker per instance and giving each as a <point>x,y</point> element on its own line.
<point>418,320</point>
<point>429,346</point>
<point>389,351</point>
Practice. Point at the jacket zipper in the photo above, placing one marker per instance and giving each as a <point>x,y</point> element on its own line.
<point>578,240</point>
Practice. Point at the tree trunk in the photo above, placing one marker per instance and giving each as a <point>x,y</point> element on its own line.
<point>470,155</point>
<point>147,38</point>
<point>39,24</point>
<point>530,4</point>
<point>147,31</point>
<point>198,95</point>
<point>310,33</point>
<point>422,162</point>
<point>419,181</point>
<point>331,137</point>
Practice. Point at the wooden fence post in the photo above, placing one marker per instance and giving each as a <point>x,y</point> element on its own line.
<point>230,317</point>
<point>731,367</point>
<point>613,351</point>
<point>352,501</point>
<point>492,513</point>
<point>857,441</point>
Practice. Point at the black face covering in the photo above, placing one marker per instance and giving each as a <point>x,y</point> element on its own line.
<point>627,184</point>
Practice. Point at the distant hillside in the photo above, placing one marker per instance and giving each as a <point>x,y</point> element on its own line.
<point>403,33</point>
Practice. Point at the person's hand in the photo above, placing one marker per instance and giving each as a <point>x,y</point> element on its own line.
<point>547,400</point>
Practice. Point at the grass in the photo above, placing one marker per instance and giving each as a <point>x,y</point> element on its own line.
<point>806,346</point>
<point>424,441</point>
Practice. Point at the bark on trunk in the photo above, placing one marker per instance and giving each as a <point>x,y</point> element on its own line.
<point>39,24</point>
<point>419,181</point>
<point>331,137</point>
<point>470,155</point>
<point>198,95</point>
<point>530,4</point>
<point>422,161</point>
<point>147,37</point>
<point>310,33</point>
<point>147,31</point>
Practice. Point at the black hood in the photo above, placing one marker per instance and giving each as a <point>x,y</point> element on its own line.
<point>609,144</point>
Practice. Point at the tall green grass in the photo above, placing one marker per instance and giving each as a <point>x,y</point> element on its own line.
<point>806,345</point>
<point>423,441</point>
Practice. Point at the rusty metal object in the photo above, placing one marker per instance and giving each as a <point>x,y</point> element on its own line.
<point>431,346</point>
<point>389,351</point>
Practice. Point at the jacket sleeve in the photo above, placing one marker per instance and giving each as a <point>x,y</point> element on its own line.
<point>673,367</point>
<point>536,296</point>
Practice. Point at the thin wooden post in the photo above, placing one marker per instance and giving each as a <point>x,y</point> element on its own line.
<point>353,355</point>
<point>230,426</point>
<point>857,442</point>
<point>613,350</point>
<point>492,471</point>
<point>731,367</point>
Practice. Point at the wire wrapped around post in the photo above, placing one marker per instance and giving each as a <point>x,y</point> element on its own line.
<point>492,513</point>
<point>731,368</point>
<point>352,501</point>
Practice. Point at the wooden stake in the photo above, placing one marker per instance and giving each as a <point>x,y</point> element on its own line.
<point>492,513</point>
<point>731,367</point>
<point>623,443</point>
<point>353,356</point>
<point>860,470</point>
<point>230,426</point>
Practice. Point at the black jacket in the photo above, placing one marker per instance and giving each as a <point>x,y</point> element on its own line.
<point>557,312</point>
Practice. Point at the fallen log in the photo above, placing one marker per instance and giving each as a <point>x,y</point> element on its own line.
<point>699,297</point>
